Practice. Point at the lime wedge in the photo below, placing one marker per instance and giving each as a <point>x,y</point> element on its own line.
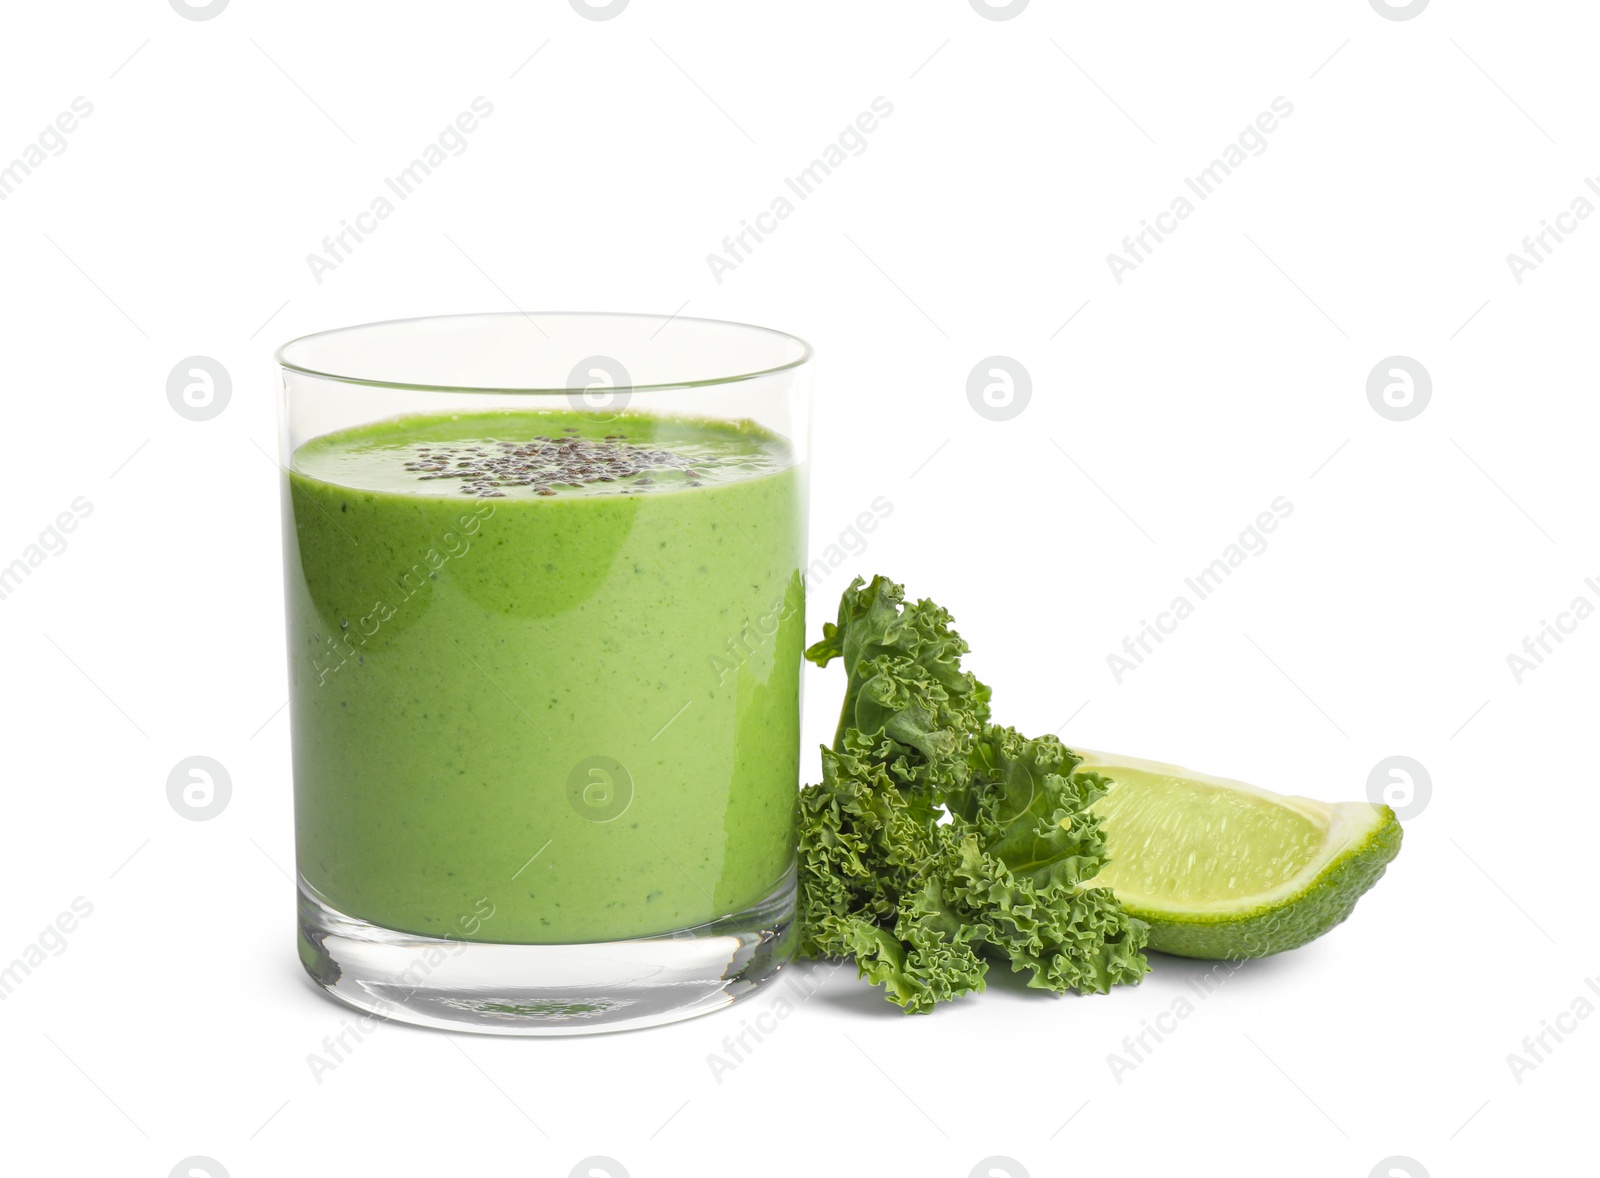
<point>1225,870</point>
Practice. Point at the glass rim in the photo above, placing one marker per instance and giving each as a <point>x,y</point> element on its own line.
<point>281,354</point>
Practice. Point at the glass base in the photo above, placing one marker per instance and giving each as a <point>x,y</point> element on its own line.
<point>492,988</point>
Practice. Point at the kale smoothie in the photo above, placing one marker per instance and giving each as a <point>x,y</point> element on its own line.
<point>544,672</point>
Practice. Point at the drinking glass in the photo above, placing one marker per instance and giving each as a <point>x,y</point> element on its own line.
<point>544,587</point>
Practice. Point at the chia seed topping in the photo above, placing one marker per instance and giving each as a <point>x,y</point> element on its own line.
<point>547,464</point>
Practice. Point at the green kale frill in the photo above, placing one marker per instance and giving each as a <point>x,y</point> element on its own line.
<point>937,841</point>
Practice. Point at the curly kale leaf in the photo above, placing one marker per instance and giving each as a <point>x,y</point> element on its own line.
<point>867,888</point>
<point>905,689</point>
<point>935,840</point>
<point>862,840</point>
<point>1032,808</point>
<point>922,959</point>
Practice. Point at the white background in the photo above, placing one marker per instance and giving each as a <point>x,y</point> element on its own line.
<point>1228,369</point>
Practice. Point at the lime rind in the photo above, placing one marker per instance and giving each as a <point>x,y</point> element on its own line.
<point>1358,842</point>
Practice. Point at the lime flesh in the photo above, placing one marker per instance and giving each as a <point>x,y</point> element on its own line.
<point>1225,870</point>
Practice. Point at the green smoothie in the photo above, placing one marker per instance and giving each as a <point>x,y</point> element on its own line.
<point>545,667</point>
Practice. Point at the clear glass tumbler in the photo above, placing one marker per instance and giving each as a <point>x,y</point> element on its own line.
<point>545,604</point>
